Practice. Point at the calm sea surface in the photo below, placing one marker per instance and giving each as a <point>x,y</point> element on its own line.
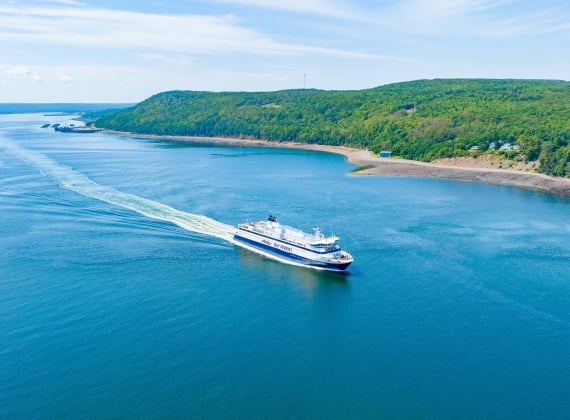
<point>120,297</point>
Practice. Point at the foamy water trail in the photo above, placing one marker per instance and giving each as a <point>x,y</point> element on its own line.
<point>75,181</point>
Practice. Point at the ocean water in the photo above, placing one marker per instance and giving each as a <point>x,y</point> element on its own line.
<point>121,296</point>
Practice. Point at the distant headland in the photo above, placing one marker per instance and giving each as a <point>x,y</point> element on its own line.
<point>499,129</point>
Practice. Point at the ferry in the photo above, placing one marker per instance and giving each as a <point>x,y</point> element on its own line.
<point>82,129</point>
<point>293,246</point>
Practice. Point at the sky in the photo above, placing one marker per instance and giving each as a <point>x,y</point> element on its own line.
<point>126,51</point>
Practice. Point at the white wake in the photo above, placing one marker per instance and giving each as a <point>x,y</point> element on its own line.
<point>72,180</point>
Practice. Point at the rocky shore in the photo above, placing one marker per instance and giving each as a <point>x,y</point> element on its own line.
<point>371,165</point>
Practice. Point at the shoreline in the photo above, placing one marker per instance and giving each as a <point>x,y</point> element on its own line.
<point>371,165</point>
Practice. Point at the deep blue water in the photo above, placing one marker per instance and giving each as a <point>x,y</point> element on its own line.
<point>119,300</point>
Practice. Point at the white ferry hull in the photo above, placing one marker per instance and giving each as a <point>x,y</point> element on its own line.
<point>287,253</point>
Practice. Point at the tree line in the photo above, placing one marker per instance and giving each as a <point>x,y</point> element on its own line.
<point>421,120</point>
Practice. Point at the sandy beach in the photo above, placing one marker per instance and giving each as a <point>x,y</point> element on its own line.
<point>468,169</point>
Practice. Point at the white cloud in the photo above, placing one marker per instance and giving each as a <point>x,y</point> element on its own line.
<point>91,82</point>
<point>540,22</point>
<point>18,70</point>
<point>115,29</point>
<point>179,60</point>
<point>314,7</point>
<point>65,2</point>
<point>62,77</point>
<point>99,54</point>
<point>439,9</point>
<point>23,71</point>
<point>474,18</point>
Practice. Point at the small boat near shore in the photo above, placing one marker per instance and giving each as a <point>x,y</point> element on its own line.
<point>293,246</point>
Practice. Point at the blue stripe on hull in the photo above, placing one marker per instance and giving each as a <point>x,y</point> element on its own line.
<point>291,257</point>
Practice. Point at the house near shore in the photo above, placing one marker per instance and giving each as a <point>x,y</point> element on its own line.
<point>509,146</point>
<point>385,153</point>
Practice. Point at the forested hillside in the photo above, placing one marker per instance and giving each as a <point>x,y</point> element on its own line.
<point>422,120</point>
